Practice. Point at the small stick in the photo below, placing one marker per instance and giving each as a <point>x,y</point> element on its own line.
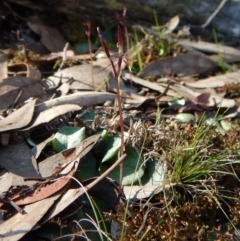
<point>105,174</point>
<point>213,15</point>
<point>64,56</point>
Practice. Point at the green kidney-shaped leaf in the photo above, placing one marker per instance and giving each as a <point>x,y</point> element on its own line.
<point>154,173</point>
<point>185,117</point>
<point>108,147</point>
<point>132,168</point>
<point>87,167</point>
<point>67,137</point>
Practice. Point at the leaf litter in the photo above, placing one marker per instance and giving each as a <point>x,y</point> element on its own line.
<point>72,154</point>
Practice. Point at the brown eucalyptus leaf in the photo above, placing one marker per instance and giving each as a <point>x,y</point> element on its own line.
<point>23,69</point>
<point>148,84</point>
<point>51,38</point>
<point>8,179</point>
<point>45,190</point>
<point>49,114</point>
<point>227,53</point>
<point>82,99</point>
<point>216,81</point>
<point>80,77</point>
<point>18,89</point>
<point>136,193</point>
<point>185,64</point>
<point>200,103</point>
<point>73,193</point>
<point>47,167</point>
<point>214,99</point>
<point>19,118</point>
<point>64,88</point>
<point>36,150</point>
<point>53,184</point>
<point>18,225</point>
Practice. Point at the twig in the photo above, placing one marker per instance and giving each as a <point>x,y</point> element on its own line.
<point>64,56</point>
<point>213,15</point>
<point>143,223</point>
<point>105,174</point>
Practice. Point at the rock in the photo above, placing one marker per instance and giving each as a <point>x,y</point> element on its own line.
<point>195,12</point>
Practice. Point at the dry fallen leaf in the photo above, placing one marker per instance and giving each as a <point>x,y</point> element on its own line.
<point>49,114</point>
<point>18,89</point>
<point>60,177</point>
<point>45,189</point>
<point>148,84</point>
<point>214,99</point>
<point>228,54</point>
<point>216,81</point>
<point>47,166</point>
<point>36,150</point>
<point>23,69</point>
<point>80,77</point>
<point>19,118</point>
<point>81,98</point>
<point>185,64</point>
<point>17,226</point>
<point>51,38</point>
<point>199,103</point>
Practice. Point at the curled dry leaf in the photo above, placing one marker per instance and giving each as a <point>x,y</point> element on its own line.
<point>3,66</point>
<point>199,103</point>
<point>148,84</point>
<point>18,89</point>
<point>229,54</point>
<point>214,99</point>
<point>171,25</point>
<point>136,193</point>
<point>82,99</point>
<point>56,182</point>
<point>36,150</point>
<point>49,114</point>
<point>47,166</point>
<point>51,38</point>
<point>26,70</point>
<point>19,118</point>
<point>63,89</point>
<point>17,226</point>
<point>45,189</point>
<point>216,81</point>
<point>80,77</point>
<point>185,64</point>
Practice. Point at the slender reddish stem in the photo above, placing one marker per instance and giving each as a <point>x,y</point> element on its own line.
<point>116,72</point>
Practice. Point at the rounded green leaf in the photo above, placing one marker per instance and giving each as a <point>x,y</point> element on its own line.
<point>226,125</point>
<point>108,147</point>
<point>154,173</point>
<point>133,169</point>
<point>67,137</point>
<point>87,167</point>
<point>185,117</point>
